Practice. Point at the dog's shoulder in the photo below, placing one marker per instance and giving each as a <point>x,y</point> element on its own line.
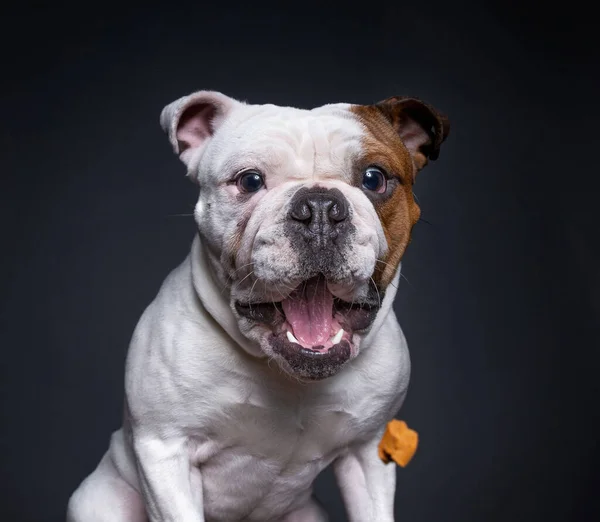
<point>177,358</point>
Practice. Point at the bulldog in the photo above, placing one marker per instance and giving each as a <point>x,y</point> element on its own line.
<point>272,351</point>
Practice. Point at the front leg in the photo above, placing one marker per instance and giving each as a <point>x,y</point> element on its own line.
<point>170,484</point>
<point>366,483</point>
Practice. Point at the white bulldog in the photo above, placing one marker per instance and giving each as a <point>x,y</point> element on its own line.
<point>273,350</point>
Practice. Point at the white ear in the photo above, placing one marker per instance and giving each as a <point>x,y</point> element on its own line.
<point>192,120</point>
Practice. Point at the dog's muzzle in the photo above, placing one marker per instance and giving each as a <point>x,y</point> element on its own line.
<point>312,330</point>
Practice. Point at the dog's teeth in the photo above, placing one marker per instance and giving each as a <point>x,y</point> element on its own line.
<point>338,336</point>
<point>291,338</point>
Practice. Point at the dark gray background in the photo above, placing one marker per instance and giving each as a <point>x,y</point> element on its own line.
<point>502,310</point>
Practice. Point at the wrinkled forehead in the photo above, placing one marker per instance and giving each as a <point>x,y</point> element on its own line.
<point>288,143</point>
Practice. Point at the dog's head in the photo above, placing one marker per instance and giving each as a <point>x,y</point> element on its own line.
<point>305,213</point>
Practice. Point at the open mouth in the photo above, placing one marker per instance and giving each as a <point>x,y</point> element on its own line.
<point>312,329</point>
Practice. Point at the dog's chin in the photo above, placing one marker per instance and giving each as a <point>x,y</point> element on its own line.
<point>311,334</point>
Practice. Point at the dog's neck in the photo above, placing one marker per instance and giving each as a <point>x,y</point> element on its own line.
<point>215,299</point>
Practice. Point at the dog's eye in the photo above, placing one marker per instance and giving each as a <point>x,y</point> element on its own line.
<point>374,180</point>
<point>250,181</point>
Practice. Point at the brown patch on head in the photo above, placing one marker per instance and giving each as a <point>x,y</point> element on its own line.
<point>401,135</point>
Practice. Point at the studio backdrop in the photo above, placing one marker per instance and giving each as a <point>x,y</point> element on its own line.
<point>499,299</point>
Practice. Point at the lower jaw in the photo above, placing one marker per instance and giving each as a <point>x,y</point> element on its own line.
<point>311,364</point>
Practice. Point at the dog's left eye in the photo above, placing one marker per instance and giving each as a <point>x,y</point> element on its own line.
<point>251,181</point>
<point>374,180</point>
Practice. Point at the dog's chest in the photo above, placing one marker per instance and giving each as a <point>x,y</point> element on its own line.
<point>288,430</point>
<point>264,452</point>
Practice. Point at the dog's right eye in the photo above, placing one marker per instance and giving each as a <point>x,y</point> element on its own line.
<point>250,181</point>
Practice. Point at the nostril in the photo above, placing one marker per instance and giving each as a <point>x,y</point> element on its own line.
<point>338,211</point>
<point>301,211</point>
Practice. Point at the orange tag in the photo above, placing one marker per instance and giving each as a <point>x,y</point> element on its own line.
<point>399,443</point>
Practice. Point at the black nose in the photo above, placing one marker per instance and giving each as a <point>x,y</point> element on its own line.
<point>321,210</point>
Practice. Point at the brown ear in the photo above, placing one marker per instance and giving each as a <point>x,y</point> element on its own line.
<point>421,128</point>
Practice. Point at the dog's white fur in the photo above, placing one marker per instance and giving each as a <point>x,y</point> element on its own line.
<point>214,428</point>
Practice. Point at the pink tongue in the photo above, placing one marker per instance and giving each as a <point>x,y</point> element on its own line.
<point>309,309</point>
